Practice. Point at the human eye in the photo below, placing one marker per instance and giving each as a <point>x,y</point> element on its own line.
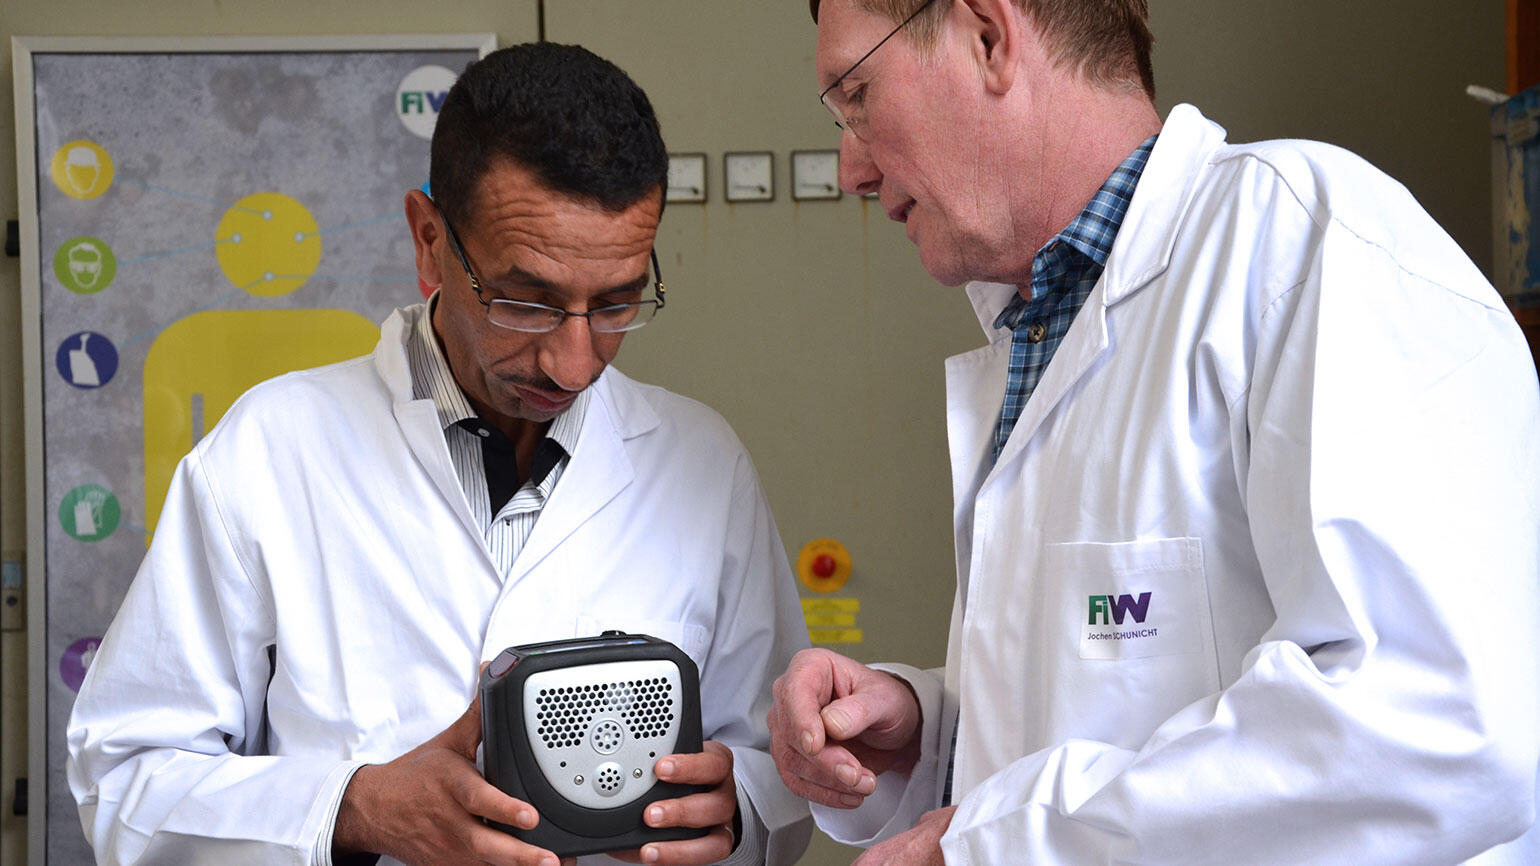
<point>857,95</point>
<point>615,316</point>
<point>525,315</point>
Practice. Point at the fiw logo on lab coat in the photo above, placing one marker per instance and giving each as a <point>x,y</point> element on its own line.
<point>1110,609</point>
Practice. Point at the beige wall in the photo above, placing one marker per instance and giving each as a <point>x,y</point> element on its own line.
<point>811,326</point>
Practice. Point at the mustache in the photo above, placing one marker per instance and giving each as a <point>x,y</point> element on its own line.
<point>542,383</point>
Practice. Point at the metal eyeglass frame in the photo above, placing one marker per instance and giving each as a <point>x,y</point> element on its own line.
<point>839,115</point>
<point>656,303</point>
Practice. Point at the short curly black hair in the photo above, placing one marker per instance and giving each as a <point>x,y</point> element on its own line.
<point>574,119</point>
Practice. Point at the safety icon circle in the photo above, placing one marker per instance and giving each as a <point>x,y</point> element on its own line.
<point>84,265</point>
<point>87,359</point>
<point>76,660</point>
<point>89,513</point>
<point>269,244</point>
<point>81,169</point>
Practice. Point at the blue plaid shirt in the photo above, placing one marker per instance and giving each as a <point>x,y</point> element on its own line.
<point>1063,273</point>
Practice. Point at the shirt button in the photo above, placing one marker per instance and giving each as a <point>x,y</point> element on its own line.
<point>484,432</point>
<point>1036,332</point>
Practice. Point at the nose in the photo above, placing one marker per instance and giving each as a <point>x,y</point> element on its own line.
<point>567,354</point>
<point>858,174</point>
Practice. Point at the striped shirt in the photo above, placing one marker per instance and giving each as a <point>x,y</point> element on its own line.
<point>1063,273</point>
<point>505,525</point>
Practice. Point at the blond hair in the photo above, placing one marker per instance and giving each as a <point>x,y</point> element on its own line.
<point>1107,41</point>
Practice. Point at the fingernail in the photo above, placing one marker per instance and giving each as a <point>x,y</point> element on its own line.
<point>847,774</point>
<point>807,743</point>
<point>655,815</point>
<point>850,801</point>
<point>836,720</point>
<point>665,768</point>
<point>649,854</point>
<point>527,818</point>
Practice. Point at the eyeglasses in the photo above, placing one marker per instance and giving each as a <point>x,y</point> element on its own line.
<point>533,318</point>
<point>851,116</point>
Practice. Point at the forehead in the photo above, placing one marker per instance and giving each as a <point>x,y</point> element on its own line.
<point>845,32</point>
<point>519,223</point>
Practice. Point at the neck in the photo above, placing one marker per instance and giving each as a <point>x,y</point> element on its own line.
<point>1078,143</point>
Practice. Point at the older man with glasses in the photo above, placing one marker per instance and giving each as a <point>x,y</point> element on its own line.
<point>1250,438</point>
<point>288,678</point>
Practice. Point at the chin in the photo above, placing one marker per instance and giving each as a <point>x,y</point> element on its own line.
<point>945,270</point>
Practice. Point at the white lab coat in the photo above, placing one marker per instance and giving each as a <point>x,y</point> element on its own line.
<point>322,520</point>
<point>1295,414</point>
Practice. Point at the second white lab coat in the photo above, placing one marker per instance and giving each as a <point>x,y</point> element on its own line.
<point>1296,416</point>
<point>318,595</point>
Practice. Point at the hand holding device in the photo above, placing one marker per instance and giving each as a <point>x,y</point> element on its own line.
<point>426,807</point>
<point>576,727</point>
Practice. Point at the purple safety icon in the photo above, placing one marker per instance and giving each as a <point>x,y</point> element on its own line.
<point>76,659</point>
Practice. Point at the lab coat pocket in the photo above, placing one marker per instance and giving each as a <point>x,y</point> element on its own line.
<point>1135,636</point>
<point>1136,600</point>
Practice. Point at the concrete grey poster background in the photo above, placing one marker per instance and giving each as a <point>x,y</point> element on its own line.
<point>189,135</point>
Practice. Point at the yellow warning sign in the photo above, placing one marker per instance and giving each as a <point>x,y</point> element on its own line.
<point>834,635</point>
<point>831,605</point>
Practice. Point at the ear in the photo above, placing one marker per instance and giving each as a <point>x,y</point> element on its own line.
<point>427,234</point>
<point>997,30</point>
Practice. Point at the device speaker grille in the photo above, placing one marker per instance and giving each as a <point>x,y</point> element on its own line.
<point>563,714</point>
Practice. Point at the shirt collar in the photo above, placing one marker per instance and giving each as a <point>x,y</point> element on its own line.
<point>433,380</point>
<point>1091,232</point>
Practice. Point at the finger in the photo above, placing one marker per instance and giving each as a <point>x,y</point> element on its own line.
<point>808,788</point>
<point>489,845</point>
<point>465,734</point>
<point>710,766</point>
<point>800,693</point>
<point>834,768</point>
<point>710,848</point>
<point>693,810</point>
<point>839,769</point>
<point>482,799</point>
<point>877,708</point>
<point>849,717</point>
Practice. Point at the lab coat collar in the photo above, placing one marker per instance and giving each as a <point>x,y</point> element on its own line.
<point>1143,252</point>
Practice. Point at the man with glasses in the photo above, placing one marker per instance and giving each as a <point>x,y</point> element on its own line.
<point>291,676</point>
<point>1250,437</point>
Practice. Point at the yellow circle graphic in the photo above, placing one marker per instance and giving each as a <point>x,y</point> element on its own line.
<point>268,244</point>
<point>81,169</point>
<point>823,565</point>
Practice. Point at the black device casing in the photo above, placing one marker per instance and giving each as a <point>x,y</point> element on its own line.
<point>568,829</point>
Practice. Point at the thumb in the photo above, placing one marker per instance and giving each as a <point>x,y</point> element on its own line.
<point>847,718</point>
<point>465,734</point>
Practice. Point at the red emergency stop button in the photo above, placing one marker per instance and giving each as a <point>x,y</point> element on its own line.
<point>823,565</point>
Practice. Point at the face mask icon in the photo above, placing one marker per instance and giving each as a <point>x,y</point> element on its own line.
<point>82,169</point>
<point>85,264</point>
